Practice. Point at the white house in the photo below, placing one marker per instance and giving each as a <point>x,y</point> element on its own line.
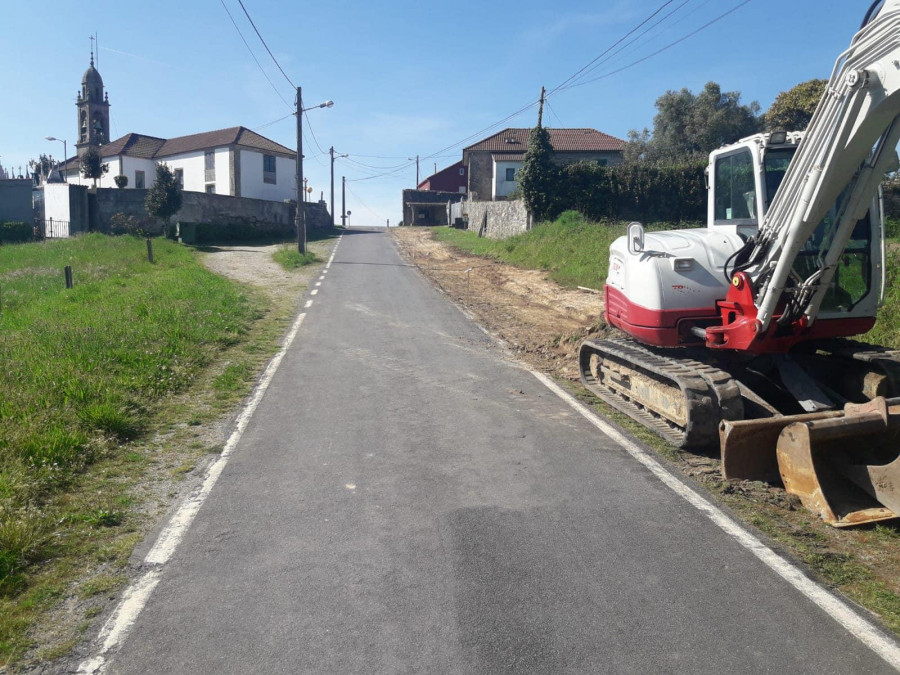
<point>234,161</point>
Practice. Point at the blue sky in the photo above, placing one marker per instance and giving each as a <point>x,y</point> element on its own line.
<point>406,77</point>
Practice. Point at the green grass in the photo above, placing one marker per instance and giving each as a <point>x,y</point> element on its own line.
<point>83,371</point>
<point>290,258</point>
<point>887,329</point>
<point>573,250</point>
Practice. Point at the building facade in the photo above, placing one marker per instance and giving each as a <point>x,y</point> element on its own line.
<point>236,161</point>
<point>452,179</point>
<point>493,163</point>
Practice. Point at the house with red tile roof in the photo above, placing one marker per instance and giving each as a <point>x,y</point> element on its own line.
<point>451,179</point>
<point>492,163</point>
<point>234,161</point>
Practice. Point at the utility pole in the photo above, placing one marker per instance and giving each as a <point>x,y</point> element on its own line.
<point>541,108</point>
<point>300,219</point>
<point>331,151</point>
<point>417,168</point>
<point>343,201</point>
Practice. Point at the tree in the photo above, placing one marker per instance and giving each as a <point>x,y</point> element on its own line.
<point>164,196</point>
<point>539,176</point>
<point>793,109</point>
<point>688,126</point>
<point>42,166</point>
<point>92,165</point>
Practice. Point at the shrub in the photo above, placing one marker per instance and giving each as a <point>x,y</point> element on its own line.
<point>16,232</point>
<point>121,181</point>
<point>636,192</point>
<point>121,223</point>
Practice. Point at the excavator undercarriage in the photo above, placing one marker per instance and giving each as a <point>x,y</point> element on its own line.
<point>790,420</point>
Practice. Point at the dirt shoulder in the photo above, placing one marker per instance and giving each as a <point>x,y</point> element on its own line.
<point>540,321</point>
<point>544,323</point>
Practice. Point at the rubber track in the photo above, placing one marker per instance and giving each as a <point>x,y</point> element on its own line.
<point>888,360</point>
<point>710,394</point>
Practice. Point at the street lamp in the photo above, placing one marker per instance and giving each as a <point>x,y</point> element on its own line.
<point>300,218</point>
<point>65,153</point>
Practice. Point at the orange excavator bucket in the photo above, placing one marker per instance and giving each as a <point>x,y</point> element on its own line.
<point>846,468</point>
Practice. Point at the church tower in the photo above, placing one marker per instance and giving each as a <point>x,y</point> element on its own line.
<point>93,111</point>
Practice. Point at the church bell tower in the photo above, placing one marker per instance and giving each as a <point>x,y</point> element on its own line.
<point>93,111</point>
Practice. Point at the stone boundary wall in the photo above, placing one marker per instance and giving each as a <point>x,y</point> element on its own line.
<point>276,218</point>
<point>15,200</point>
<point>498,220</point>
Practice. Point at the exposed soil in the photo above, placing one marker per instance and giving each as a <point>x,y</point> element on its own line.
<point>538,319</point>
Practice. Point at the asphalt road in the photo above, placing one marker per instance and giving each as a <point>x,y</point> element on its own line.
<point>407,500</point>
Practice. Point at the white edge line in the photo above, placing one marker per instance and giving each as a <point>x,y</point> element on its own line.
<point>840,611</point>
<point>137,594</point>
<point>308,304</point>
<point>314,291</point>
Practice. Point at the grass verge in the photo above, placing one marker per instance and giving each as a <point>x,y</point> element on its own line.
<point>290,258</point>
<point>573,250</point>
<point>109,395</point>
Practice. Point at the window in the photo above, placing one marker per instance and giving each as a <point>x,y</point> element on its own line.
<point>735,189</point>
<point>209,164</point>
<point>139,180</point>
<point>269,169</point>
<point>179,177</point>
<point>510,175</point>
<point>211,189</point>
<point>462,172</point>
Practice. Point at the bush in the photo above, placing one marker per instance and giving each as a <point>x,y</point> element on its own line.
<point>16,232</point>
<point>121,181</point>
<point>636,192</point>
<point>121,223</point>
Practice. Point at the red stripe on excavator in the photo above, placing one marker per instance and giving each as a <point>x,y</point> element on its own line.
<point>660,327</point>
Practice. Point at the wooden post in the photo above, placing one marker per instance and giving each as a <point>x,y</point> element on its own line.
<point>149,250</point>
<point>68,272</point>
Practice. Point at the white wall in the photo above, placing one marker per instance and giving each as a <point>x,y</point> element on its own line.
<point>252,184</point>
<point>503,187</point>
<point>106,180</point>
<point>56,201</point>
<point>192,164</point>
<point>132,164</point>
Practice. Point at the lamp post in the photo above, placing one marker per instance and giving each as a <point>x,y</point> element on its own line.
<point>332,181</point>
<point>343,201</point>
<point>300,218</point>
<point>65,152</point>
<point>417,168</point>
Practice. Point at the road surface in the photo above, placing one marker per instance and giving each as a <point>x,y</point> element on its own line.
<point>406,499</point>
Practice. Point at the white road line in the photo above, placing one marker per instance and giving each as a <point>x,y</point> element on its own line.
<point>308,304</point>
<point>116,628</point>
<point>138,593</point>
<point>314,291</point>
<point>840,611</point>
<point>318,283</point>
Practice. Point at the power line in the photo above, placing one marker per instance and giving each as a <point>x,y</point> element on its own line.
<point>268,124</point>
<point>577,73</point>
<point>617,53</point>
<point>259,65</point>
<point>365,206</point>
<point>668,46</point>
<point>247,14</point>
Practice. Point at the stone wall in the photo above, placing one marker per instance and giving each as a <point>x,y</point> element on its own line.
<point>481,175</point>
<point>15,201</point>
<point>498,220</point>
<point>271,218</point>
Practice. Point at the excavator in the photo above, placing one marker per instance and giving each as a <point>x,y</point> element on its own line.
<point>739,334</point>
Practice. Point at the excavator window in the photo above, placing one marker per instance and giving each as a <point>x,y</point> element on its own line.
<point>851,282</point>
<point>735,189</point>
<point>776,163</point>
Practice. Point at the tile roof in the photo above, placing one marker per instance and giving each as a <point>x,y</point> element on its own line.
<point>151,147</point>
<point>562,140</point>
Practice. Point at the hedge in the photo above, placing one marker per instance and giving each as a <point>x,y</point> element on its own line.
<point>16,232</point>
<point>634,192</point>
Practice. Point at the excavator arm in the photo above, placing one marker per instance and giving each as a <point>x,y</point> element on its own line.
<point>848,147</point>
